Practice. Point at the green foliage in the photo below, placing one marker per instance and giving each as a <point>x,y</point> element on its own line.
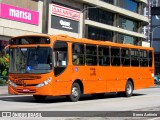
<point>4,65</point>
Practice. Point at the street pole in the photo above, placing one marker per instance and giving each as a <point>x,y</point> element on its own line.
<point>45,16</point>
<point>80,17</point>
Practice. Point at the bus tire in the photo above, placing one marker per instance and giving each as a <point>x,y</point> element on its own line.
<point>39,98</point>
<point>75,92</point>
<point>128,90</point>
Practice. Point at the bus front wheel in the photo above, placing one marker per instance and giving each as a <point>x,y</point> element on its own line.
<point>75,92</point>
<point>39,98</point>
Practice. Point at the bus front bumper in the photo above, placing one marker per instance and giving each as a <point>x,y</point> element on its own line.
<point>21,90</point>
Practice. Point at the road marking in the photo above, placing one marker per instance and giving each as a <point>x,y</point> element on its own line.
<point>157,118</point>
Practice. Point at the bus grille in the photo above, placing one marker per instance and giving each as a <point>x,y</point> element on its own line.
<point>26,85</point>
<point>26,77</point>
<point>21,80</point>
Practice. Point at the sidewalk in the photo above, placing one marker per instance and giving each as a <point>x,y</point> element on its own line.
<point>3,90</point>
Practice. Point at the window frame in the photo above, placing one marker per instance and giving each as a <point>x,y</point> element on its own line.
<point>104,56</point>
<point>114,57</point>
<point>136,51</point>
<point>125,57</point>
<point>78,54</point>
<point>94,55</point>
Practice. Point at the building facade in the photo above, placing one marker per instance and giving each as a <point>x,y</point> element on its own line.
<point>119,21</point>
<point>155,36</point>
<point>18,18</point>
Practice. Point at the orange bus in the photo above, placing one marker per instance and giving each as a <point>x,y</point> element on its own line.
<point>60,65</point>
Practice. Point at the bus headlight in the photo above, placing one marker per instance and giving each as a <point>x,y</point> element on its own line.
<point>46,82</point>
<point>12,83</point>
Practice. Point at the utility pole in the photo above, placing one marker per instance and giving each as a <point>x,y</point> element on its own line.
<point>149,26</point>
<point>45,16</point>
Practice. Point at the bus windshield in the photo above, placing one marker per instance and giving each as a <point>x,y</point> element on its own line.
<point>30,60</point>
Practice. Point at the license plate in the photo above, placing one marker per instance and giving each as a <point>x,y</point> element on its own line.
<point>26,90</point>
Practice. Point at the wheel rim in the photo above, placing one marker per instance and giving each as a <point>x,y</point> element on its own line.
<point>129,89</point>
<point>75,92</point>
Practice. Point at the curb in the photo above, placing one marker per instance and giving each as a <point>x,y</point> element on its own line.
<point>4,95</point>
<point>3,90</point>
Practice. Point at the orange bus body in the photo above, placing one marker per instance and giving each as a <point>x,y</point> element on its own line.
<point>91,79</point>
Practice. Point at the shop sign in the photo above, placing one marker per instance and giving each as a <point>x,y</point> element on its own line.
<point>19,14</point>
<point>65,12</point>
<point>64,24</point>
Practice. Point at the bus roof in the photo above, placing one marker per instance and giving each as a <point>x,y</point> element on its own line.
<point>98,42</point>
<point>87,41</point>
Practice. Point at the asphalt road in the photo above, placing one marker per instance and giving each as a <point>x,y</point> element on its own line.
<point>111,105</point>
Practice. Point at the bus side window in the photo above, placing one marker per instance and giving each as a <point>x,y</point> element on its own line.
<point>125,57</point>
<point>91,55</point>
<point>103,56</point>
<point>115,56</point>
<point>75,59</point>
<point>135,57</point>
<point>143,58</point>
<point>78,54</point>
<point>150,58</point>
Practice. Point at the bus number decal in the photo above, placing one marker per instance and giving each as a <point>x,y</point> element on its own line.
<point>92,71</point>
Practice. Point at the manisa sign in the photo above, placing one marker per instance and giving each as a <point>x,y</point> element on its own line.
<point>19,14</point>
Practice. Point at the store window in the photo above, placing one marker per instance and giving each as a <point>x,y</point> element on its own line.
<point>99,34</point>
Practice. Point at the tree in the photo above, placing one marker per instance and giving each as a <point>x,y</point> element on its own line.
<point>4,64</point>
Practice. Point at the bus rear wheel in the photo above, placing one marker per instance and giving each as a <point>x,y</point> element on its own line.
<point>39,98</point>
<point>128,90</point>
<point>75,92</point>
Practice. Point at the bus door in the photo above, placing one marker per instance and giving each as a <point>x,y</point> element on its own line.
<point>60,61</point>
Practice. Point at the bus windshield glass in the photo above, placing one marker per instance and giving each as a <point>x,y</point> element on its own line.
<point>30,60</point>
<point>29,40</point>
